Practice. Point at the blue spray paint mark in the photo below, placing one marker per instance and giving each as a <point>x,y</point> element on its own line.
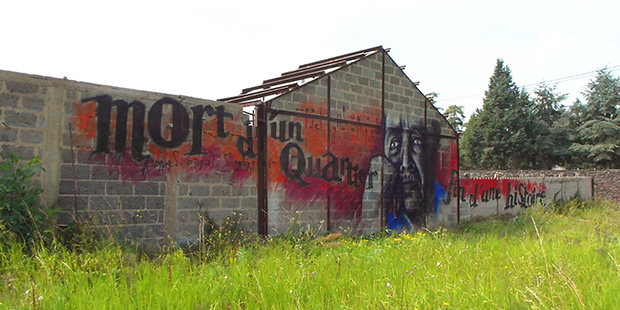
<point>440,193</point>
<point>402,221</point>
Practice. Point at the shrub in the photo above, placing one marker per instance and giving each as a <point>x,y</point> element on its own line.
<point>21,211</point>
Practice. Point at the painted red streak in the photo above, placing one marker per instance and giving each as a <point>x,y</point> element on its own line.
<point>85,123</point>
<point>220,153</point>
<point>356,143</point>
<point>447,163</point>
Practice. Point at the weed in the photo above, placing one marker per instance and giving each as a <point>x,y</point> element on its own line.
<point>21,211</point>
<point>539,259</point>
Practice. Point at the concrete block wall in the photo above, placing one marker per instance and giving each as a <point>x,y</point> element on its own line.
<point>483,197</point>
<point>294,199</point>
<point>359,96</point>
<point>164,197</point>
<point>356,150</point>
<point>404,100</point>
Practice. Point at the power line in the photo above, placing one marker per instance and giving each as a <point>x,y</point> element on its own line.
<point>555,81</point>
<point>575,77</point>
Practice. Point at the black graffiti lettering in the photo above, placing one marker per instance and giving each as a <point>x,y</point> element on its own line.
<point>248,141</point>
<point>145,168</point>
<point>371,175</point>
<point>161,165</point>
<point>352,174</point>
<point>174,156</point>
<point>228,162</point>
<point>220,114</point>
<point>479,194</point>
<point>198,112</point>
<point>510,199</point>
<point>453,188</point>
<point>461,193</point>
<point>104,118</point>
<point>278,131</point>
<point>197,163</point>
<point>490,194</point>
<point>522,191</point>
<point>473,198</point>
<point>522,197</point>
<point>295,173</point>
<point>179,127</point>
<point>294,129</point>
<point>333,166</point>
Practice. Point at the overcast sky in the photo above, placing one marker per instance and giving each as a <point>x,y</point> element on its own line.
<point>214,50</point>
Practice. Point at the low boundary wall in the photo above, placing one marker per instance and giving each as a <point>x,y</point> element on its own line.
<point>496,196</point>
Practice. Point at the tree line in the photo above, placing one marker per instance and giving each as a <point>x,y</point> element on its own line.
<point>516,130</point>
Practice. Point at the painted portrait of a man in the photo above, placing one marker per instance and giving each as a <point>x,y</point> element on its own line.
<point>408,191</point>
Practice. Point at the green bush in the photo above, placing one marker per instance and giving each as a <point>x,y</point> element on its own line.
<point>21,211</point>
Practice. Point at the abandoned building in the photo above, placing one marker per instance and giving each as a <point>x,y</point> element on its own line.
<point>347,143</point>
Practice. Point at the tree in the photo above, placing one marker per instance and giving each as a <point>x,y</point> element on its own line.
<point>602,97</point>
<point>455,116</point>
<point>597,139</point>
<point>548,104</point>
<point>552,138</point>
<point>503,134</point>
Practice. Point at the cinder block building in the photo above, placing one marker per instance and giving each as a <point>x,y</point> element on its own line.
<point>347,143</point>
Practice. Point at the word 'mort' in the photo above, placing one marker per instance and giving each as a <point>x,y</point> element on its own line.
<point>179,128</point>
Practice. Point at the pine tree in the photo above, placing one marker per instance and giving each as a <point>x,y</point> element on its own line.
<point>503,133</point>
<point>455,116</point>
<point>548,104</point>
<point>597,140</point>
<point>552,138</point>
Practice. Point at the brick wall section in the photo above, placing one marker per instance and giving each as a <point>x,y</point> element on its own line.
<point>403,96</point>
<point>48,118</point>
<point>36,114</point>
<point>23,119</point>
<point>606,181</point>
<point>355,93</point>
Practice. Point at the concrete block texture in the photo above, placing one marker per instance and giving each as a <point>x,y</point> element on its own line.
<point>154,166</point>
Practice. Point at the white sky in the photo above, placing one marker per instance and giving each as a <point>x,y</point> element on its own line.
<point>211,51</point>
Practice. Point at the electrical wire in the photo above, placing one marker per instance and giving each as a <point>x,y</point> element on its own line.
<point>554,81</point>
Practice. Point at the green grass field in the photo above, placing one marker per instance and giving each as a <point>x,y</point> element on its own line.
<point>543,259</point>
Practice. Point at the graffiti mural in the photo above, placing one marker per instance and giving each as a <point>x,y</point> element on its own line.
<point>311,164</point>
<point>164,138</point>
<point>409,190</point>
<point>313,161</point>
<point>348,143</point>
<point>359,146</point>
<point>509,193</point>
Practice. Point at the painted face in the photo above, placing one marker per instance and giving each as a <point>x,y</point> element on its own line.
<point>403,148</point>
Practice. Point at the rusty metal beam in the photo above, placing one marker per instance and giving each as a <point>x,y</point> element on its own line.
<point>315,68</point>
<point>353,55</point>
<point>282,80</point>
<point>264,93</point>
<point>297,76</point>
<point>262,182</point>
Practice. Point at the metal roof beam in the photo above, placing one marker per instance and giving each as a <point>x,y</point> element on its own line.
<point>264,93</point>
<point>281,80</point>
<point>336,58</point>
<point>309,69</point>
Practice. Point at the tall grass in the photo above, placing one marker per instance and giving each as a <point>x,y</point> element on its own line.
<point>567,258</point>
